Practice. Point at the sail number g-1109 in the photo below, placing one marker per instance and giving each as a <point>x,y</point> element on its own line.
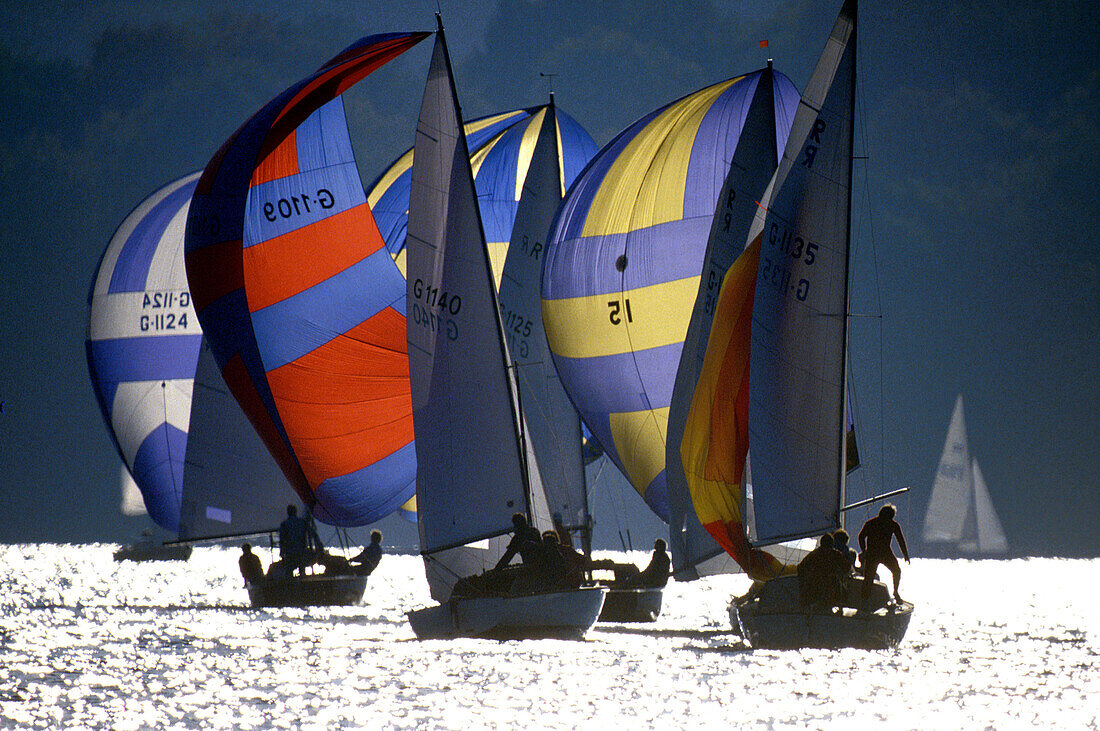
<point>297,205</point>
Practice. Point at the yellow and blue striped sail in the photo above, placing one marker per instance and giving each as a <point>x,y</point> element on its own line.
<point>501,147</point>
<point>623,265</point>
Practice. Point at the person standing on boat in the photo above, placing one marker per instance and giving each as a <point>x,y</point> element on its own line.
<point>874,542</point>
<point>251,568</point>
<point>294,536</point>
<point>370,556</point>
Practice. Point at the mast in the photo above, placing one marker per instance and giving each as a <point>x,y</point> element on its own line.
<point>843,435</point>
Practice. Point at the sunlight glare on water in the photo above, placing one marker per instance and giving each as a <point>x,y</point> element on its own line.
<point>88,642</point>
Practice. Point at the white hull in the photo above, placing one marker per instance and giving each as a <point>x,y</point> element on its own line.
<point>884,628</point>
<point>774,620</point>
<point>564,615</point>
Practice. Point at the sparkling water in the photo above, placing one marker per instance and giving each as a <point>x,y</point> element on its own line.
<point>86,642</point>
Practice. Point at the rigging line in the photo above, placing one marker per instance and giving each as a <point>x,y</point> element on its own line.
<point>876,278</point>
<point>177,496</point>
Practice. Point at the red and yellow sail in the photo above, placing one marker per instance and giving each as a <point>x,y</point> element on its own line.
<point>716,438</point>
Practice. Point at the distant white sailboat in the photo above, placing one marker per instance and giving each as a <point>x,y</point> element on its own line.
<point>960,516</point>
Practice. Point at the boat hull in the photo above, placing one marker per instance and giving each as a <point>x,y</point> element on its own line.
<point>774,620</point>
<point>565,615</point>
<point>318,590</point>
<point>138,552</point>
<point>631,605</point>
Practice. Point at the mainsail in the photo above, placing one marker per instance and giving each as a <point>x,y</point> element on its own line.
<point>786,295</point>
<point>796,405</point>
<point>501,150</point>
<point>142,346</point>
<point>623,263</point>
<point>300,299</point>
<point>471,472</point>
<point>553,428</point>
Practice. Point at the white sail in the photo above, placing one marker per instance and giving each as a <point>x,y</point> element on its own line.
<point>470,463</point>
<point>552,423</point>
<point>799,327</point>
<point>694,551</point>
<point>951,491</point>
<point>131,502</point>
<point>991,536</point>
<point>231,483</point>
<point>960,511</point>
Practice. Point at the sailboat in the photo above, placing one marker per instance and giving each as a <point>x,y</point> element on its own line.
<point>290,280</point>
<point>474,466</point>
<point>961,519</point>
<point>142,345</point>
<point>624,266</point>
<point>772,383</point>
<point>501,155</point>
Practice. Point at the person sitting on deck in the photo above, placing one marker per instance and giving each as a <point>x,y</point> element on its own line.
<point>525,541</point>
<point>369,558</point>
<point>655,575</point>
<point>821,574</point>
<point>874,542</point>
<point>251,568</point>
<point>840,543</point>
<point>550,567</point>
<point>576,563</point>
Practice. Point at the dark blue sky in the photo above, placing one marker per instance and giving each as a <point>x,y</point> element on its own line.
<point>975,212</point>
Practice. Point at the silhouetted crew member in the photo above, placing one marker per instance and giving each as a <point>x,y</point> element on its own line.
<point>550,567</point>
<point>820,573</point>
<point>251,568</point>
<point>874,543</point>
<point>525,541</point>
<point>655,575</point>
<point>294,534</point>
<point>370,556</point>
<point>840,543</point>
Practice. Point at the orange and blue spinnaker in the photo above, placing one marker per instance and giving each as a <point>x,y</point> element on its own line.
<point>623,265</point>
<point>295,291</point>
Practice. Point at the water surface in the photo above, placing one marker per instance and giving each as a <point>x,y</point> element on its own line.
<point>89,643</point>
